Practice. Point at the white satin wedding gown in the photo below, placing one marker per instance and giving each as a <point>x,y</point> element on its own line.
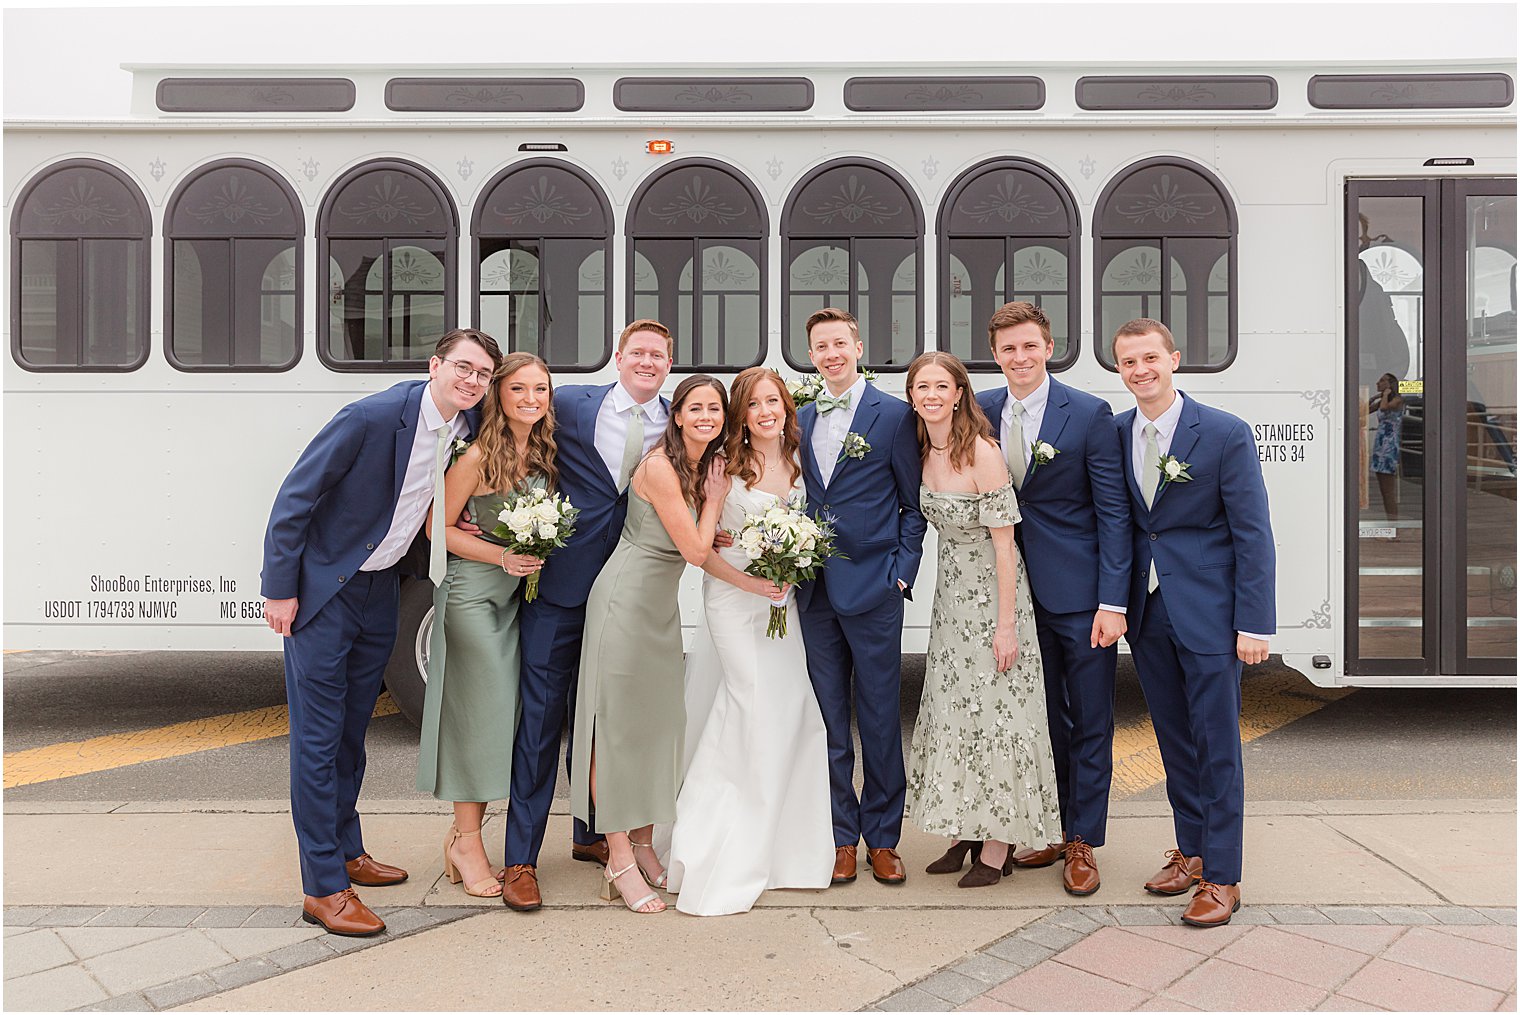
<point>753,812</point>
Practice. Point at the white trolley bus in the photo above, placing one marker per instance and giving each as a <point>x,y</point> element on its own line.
<point>195,288</point>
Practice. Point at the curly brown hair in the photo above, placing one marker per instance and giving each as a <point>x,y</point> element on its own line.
<point>502,466</point>
<point>743,460</point>
<point>968,423</point>
<point>692,476</point>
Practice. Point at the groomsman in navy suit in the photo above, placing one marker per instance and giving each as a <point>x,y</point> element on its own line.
<point>1075,540</point>
<point>340,527</point>
<point>1202,603</point>
<point>861,466</point>
<point>603,432</point>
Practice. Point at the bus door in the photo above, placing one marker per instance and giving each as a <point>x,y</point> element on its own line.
<point>1431,450</point>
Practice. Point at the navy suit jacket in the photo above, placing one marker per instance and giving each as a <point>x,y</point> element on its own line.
<point>1076,529</point>
<point>1211,538</point>
<point>569,572</point>
<point>874,504</point>
<point>339,500</point>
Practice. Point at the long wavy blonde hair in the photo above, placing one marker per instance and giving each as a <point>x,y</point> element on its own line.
<point>502,466</point>
<point>743,460</point>
<point>967,423</point>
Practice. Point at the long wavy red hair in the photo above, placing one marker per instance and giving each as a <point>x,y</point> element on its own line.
<point>743,460</point>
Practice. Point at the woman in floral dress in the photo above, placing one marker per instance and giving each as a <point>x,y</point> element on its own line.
<point>980,766</point>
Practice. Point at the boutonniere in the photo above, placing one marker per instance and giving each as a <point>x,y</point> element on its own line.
<point>855,446</point>
<point>459,447</point>
<point>1041,453</point>
<point>1173,470</point>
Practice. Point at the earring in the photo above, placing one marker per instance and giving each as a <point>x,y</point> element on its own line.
<point>955,408</point>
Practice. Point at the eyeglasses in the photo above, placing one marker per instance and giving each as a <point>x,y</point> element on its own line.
<point>465,371</point>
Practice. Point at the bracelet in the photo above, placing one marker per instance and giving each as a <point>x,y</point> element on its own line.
<point>504,560</point>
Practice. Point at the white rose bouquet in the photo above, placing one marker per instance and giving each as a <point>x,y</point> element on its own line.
<point>785,545</point>
<point>535,522</point>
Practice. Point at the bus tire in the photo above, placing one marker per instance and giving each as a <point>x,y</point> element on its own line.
<point>406,673</point>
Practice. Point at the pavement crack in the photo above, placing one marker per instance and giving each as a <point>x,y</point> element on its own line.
<point>1411,875</point>
<point>846,943</point>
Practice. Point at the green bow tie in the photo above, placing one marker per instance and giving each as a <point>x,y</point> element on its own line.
<point>828,403</point>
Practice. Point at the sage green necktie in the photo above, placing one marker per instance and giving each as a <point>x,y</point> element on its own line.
<point>1014,449</point>
<point>438,559</point>
<point>633,446</point>
<point>1150,473</point>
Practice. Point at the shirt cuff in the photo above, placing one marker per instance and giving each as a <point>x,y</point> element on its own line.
<point>1258,637</point>
<point>1111,609</point>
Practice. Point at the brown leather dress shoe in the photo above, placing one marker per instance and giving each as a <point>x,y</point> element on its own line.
<point>886,866</point>
<point>342,913</point>
<point>596,852</point>
<point>519,889</point>
<point>955,857</point>
<point>371,873</point>
<point>1080,876</point>
<point>1212,905</point>
<point>1043,857</point>
<point>1180,874</point>
<point>845,865</point>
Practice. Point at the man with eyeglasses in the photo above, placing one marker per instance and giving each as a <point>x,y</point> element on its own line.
<point>338,534</point>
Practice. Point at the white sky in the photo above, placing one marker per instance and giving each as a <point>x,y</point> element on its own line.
<point>66,62</point>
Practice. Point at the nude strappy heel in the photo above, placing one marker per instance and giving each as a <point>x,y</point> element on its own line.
<point>658,882</point>
<point>485,888</point>
<point>611,891</point>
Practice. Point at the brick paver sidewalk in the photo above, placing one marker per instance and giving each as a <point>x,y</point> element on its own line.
<point>1278,958</point>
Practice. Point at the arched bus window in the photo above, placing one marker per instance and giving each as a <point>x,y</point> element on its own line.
<point>233,263</point>
<point>387,233</point>
<point>79,270</point>
<point>1164,248</point>
<point>1007,231</point>
<point>543,258</point>
<point>696,238</point>
<point>853,237</point>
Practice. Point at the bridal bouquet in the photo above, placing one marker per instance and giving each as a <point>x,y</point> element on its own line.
<point>535,522</point>
<point>785,545</point>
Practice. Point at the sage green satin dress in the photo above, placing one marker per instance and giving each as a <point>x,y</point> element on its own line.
<point>631,701</point>
<point>469,715</point>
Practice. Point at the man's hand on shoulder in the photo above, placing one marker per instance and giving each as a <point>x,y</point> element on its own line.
<point>279,614</point>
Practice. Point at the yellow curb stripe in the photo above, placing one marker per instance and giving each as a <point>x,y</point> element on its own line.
<point>1266,705</point>
<point>98,754</point>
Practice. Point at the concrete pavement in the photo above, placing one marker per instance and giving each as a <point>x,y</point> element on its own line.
<point>1351,905</point>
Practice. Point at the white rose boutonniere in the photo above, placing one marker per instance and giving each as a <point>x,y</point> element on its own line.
<point>1041,453</point>
<point>855,446</point>
<point>1173,470</point>
<point>459,447</point>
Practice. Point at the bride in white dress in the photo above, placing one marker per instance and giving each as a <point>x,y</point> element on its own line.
<point>753,812</point>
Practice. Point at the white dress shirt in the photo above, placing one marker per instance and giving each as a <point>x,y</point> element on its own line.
<point>1166,429</point>
<point>612,421</point>
<point>417,487</point>
<point>828,434</point>
<point>1034,415</point>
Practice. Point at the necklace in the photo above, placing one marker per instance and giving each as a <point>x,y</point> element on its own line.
<point>936,447</point>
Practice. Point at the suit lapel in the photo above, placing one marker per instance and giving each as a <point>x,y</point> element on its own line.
<point>997,401</point>
<point>1126,425</point>
<point>406,435</point>
<point>1051,424</point>
<point>1183,439</point>
<point>585,421</point>
<point>808,417</point>
<point>861,424</point>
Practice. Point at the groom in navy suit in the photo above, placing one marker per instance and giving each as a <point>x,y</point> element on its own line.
<point>1202,603</point>
<point>340,527</point>
<point>1076,544</point>
<point>861,466</point>
<point>603,431</point>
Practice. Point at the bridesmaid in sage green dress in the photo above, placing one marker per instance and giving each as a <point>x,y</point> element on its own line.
<point>470,711</point>
<point>630,713</point>
<point>980,767</point>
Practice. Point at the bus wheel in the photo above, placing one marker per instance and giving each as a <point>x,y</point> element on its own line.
<point>406,673</point>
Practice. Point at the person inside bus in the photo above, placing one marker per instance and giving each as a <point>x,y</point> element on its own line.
<point>465,755</point>
<point>630,710</point>
<point>1074,539</point>
<point>340,527</point>
<point>602,432</point>
<point>1388,405</point>
<point>1202,602</point>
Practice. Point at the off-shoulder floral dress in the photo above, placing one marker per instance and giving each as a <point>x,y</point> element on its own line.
<point>980,766</point>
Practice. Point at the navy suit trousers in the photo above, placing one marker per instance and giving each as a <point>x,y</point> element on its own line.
<point>1194,701</point>
<point>334,667</point>
<point>551,656</point>
<point>1079,705</point>
<point>858,660</point>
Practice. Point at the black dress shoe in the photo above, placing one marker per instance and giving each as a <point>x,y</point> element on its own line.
<point>595,852</point>
<point>955,857</point>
